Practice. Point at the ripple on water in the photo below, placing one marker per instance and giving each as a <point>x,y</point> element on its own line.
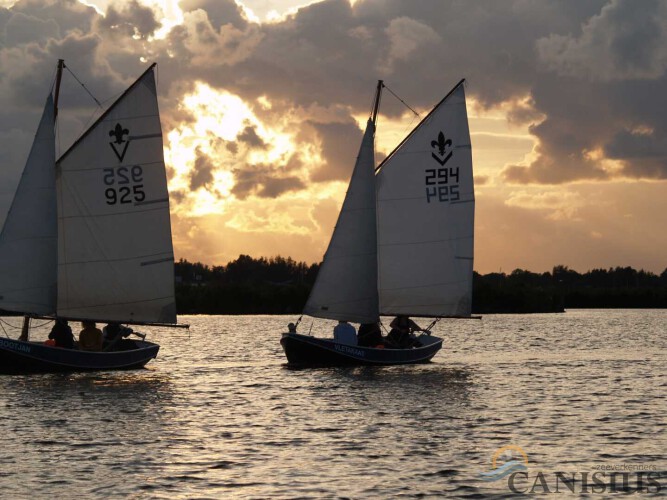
<point>219,413</point>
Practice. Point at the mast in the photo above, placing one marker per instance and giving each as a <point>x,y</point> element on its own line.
<point>59,75</point>
<point>376,103</point>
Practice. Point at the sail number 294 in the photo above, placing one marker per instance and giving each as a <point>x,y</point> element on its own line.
<point>125,185</point>
<point>442,184</point>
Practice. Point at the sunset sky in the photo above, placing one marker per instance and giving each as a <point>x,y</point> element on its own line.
<point>263,104</point>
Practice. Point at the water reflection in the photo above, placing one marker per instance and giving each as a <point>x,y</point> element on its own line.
<point>218,415</point>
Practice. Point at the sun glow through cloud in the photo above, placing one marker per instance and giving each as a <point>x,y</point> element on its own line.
<point>225,136</point>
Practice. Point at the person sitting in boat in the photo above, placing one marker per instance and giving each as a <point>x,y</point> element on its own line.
<point>114,335</point>
<point>400,336</point>
<point>61,333</point>
<point>344,333</point>
<point>291,328</point>
<point>369,335</point>
<point>91,337</point>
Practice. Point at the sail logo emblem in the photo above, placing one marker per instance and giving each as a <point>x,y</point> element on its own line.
<point>441,144</point>
<point>514,458</point>
<point>119,145</point>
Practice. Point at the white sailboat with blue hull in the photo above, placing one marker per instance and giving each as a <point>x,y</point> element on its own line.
<point>403,243</point>
<point>88,236</point>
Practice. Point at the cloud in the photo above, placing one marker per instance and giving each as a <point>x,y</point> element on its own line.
<point>559,205</point>
<point>250,137</point>
<point>623,42</point>
<point>219,12</point>
<point>406,37</point>
<point>202,173</point>
<point>130,20</point>
<point>266,181</point>
<point>340,146</point>
<point>205,46</point>
<point>21,28</point>
<point>586,77</point>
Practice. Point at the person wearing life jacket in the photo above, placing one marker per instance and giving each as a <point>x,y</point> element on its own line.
<point>90,338</point>
<point>61,334</point>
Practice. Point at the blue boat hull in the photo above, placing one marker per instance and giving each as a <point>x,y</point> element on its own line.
<point>17,357</point>
<point>303,350</point>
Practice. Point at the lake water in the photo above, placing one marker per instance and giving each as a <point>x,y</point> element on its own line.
<point>219,415</point>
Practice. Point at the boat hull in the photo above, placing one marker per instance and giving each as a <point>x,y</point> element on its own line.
<point>303,350</point>
<point>17,357</point>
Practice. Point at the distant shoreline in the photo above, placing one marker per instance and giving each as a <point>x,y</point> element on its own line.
<point>281,285</point>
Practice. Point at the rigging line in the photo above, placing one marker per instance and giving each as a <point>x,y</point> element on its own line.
<point>32,327</point>
<point>84,87</point>
<point>3,322</point>
<point>428,328</point>
<point>404,103</point>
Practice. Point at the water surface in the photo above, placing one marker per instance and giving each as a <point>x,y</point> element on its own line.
<point>218,414</point>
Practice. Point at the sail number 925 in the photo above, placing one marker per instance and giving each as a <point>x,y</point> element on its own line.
<point>442,184</point>
<point>126,185</point>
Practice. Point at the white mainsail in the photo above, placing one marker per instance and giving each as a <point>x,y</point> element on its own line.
<point>425,208</point>
<point>28,240</point>
<point>115,255</point>
<point>346,285</point>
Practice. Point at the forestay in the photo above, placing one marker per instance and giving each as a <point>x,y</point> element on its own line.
<point>346,285</point>
<point>426,206</point>
<point>115,258</point>
<point>28,241</point>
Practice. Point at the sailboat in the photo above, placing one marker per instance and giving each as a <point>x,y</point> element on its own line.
<point>88,236</point>
<point>403,242</point>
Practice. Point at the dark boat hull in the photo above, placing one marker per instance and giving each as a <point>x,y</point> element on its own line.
<point>18,357</point>
<point>303,350</point>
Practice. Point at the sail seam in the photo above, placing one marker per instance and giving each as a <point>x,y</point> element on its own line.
<point>62,310</point>
<point>92,216</point>
<point>150,202</point>
<point>426,242</point>
<point>158,261</point>
<point>112,260</point>
<point>12,290</point>
<point>430,285</point>
<point>347,256</point>
<point>147,136</point>
<point>27,238</point>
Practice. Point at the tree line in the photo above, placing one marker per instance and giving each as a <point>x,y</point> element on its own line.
<point>279,285</point>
